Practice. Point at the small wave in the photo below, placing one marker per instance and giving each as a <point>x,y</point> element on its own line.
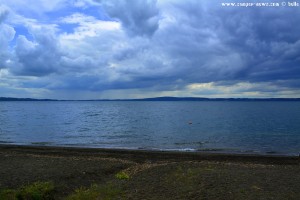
<point>76,136</point>
<point>272,152</point>
<point>5,142</point>
<point>84,129</point>
<point>239,151</point>
<point>191,143</point>
<point>91,114</point>
<point>188,149</point>
<point>214,150</point>
<point>67,123</point>
<point>121,136</point>
<point>42,143</point>
<point>167,149</point>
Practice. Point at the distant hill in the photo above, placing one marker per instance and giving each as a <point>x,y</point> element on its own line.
<point>172,99</point>
<point>23,99</point>
<point>161,99</point>
<point>213,99</point>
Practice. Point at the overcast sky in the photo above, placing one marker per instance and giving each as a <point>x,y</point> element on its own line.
<point>91,49</point>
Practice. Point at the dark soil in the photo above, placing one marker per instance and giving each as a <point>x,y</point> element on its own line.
<point>153,175</point>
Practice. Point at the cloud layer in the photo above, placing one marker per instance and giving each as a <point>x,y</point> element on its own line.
<point>124,49</point>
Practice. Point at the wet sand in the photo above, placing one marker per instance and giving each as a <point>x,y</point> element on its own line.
<point>153,174</point>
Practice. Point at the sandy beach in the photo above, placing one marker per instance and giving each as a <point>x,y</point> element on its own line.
<point>151,174</point>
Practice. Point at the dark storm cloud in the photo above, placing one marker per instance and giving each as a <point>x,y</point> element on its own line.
<point>165,45</point>
<point>3,14</point>
<point>268,39</point>
<point>139,17</point>
<point>210,43</point>
<point>194,44</point>
<point>39,57</point>
<point>6,35</point>
<point>204,42</point>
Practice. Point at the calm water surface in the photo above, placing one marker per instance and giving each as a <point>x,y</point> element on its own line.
<point>247,127</point>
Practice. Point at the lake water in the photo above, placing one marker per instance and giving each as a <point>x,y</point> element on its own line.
<point>236,127</point>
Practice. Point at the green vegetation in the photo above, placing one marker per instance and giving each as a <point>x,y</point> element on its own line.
<point>8,194</point>
<point>105,192</point>
<point>122,176</point>
<point>35,191</point>
<point>44,191</point>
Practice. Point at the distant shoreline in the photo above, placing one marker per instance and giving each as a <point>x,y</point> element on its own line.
<point>138,154</point>
<point>209,151</point>
<point>187,151</point>
<point>160,99</point>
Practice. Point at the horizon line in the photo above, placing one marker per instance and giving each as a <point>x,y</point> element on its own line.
<point>159,98</point>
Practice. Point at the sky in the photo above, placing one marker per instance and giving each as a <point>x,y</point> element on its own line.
<point>99,49</point>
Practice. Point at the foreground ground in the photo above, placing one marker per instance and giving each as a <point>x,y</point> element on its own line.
<point>120,174</point>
